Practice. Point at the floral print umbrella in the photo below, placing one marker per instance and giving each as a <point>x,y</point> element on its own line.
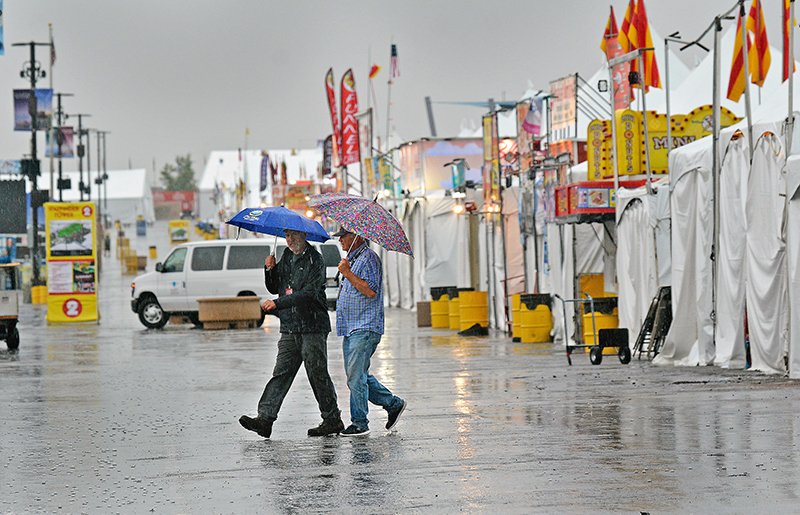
<point>365,218</point>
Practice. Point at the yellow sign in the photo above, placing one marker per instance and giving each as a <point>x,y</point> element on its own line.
<point>71,244</point>
<point>178,231</point>
<point>631,154</point>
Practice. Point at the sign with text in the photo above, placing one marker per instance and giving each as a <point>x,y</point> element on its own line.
<point>71,244</point>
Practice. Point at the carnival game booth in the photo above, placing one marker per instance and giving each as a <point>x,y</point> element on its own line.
<point>749,287</point>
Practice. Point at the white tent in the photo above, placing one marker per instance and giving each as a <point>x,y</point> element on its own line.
<point>129,193</point>
<point>793,259</point>
<point>749,192</point>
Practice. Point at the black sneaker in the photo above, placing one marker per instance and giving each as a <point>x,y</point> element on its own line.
<point>258,425</point>
<point>394,415</point>
<point>328,427</point>
<point>353,430</point>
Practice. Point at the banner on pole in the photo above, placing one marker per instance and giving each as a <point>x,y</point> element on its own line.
<point>2,36</point>
<point>263,178</point>
<point>67,146</point>
<point>327,156</point>
<point>71,229</point>
<point>350,148</point>
<point>619,74</point>
<point>24,107</point>
<point>337,134</point>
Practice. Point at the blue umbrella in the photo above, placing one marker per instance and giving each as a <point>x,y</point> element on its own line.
<point>274,220</point>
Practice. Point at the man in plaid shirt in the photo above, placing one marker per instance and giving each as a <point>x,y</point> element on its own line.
<point>359,319</point>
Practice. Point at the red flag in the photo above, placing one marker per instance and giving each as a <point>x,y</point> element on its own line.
<point>337,134</point>
<point>736,81</point>
<point>639,36</point>
<point>758,55</point>
<point>611,30</point>
<point>788,26</point>
<point>347,95</point>
<point>373,71</point>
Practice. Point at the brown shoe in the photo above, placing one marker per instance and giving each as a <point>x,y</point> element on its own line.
<point>328,427</point>
<point>258,425</point>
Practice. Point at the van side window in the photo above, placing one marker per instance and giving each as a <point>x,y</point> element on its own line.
<point>242,257</point>
<point>330,254</point>
<point>174,262</point>
<point>207,258</point>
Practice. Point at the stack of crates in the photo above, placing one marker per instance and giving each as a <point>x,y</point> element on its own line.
<point>536,320</point>
<point>440,307</point>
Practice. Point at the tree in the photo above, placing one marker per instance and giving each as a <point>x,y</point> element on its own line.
<point>179,176</point>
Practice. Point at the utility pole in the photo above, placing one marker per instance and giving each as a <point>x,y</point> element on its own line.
<point>33,70</point>
<point>88,182</point>
<point>60,143</point>
<point>105,179</point>
<point>81,151</point>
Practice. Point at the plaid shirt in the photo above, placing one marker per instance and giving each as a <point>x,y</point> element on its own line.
<point>355,310</point>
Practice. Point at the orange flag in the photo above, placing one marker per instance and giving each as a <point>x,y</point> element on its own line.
<point>626,25</point>
<point>758,54</point>
<point>788,26</point>
<point>611,30</point>
<point>639,36</point>
<point>737,78</point>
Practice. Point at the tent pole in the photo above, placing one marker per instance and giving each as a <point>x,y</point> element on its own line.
<point>666,85</point>
<point>715,177</point>
<point>642,87</point>
<point>613,128</point>
<point>790,117</point>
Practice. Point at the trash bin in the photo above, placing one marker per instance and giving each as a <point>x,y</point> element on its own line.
<point>454,306</point>
<point>141,227</point>
<point>605,317</point>
<point>473,309</point>
<point>516,323</point>
<point>440,309</point>
<point>536,320</point>
<point>153,252</point>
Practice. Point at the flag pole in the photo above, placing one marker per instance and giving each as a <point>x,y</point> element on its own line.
<point>745,59</point>
<point>790,118</point>
<point>666,86</point>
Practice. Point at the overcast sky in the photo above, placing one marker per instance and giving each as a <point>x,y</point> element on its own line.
<point>170,77</point>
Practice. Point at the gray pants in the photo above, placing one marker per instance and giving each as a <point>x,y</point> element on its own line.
<point>311,350</point>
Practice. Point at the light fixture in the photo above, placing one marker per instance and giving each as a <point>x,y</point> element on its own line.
<point>602,86</point>
<point>309,213</point>
<point>458,208</point>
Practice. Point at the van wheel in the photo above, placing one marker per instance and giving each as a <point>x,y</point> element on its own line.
<point>151,315</point>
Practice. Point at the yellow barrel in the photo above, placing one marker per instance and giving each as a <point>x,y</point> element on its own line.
<point>515,314</point>
<point>440,308</point>
<point>454,314</point>
<point>39,294</point>
<point>605,317</point>
<point>536,320</point>
<point>473,309</point>
<point>153,252</point>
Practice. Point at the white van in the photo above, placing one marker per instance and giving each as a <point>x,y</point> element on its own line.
<point>215,268</point>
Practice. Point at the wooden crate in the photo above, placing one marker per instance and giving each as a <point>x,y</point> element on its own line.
<point>229,312</point>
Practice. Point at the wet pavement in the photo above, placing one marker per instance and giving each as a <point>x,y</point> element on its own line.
<point>111,417</point>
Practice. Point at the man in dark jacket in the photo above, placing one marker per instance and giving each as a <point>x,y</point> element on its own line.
<point>299,281</point>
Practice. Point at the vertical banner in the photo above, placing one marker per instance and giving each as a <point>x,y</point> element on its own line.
<point>327,156</point>
<point>524,138</point>
<point>24,107</point>
<point>563,108</point>
<point>350,148</point>
<point>495,170</point>
<point>365,146</point>
<point>263,181</point>
<point>486,124</point>
<point>71,229</point>
<point>619,75</point>
<point>63,145</point>
<point>337,134</point>
<point>2,30</point>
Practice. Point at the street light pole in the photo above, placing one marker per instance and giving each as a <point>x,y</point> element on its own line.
<point>34,72</point>
<point>60,143</point>
<point>81,150</point>
<point>105,178</point>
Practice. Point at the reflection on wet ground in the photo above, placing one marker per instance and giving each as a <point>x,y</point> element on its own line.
<point>115,418</point>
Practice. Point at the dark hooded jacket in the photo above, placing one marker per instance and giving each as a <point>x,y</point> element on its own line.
<point>304,310</point>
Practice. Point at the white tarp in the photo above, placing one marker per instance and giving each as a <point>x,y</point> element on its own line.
<point>637,277</point>
<point>128,191</point>
<point>793,262</point>
<point>767,295</point>
<point>730,351</point>
<point>446,245</point>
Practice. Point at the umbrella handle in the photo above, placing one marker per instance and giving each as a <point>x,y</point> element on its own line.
<point>274,244</point>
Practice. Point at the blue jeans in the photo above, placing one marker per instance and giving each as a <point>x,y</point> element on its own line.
<point>358,349</point>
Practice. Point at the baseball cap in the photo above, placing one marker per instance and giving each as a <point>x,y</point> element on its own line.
<point>341,232</point>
